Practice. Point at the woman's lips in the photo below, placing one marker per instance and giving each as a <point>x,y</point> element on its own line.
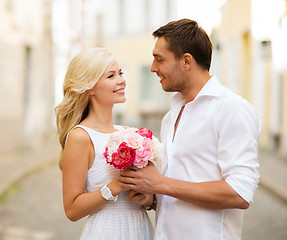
<point>120,91</point>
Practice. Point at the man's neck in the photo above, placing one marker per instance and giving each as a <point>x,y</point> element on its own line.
<point>197,83</point>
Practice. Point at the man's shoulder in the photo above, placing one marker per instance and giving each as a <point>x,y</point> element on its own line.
<point>230,99</point>
<point>237,108</point>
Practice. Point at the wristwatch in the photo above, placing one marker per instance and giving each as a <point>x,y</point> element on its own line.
<point>107,194</point>
<point>153,205</point>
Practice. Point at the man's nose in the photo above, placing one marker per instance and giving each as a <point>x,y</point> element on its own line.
<point>153,67</point>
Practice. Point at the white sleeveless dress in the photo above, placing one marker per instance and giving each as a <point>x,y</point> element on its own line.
<point>120,220</point>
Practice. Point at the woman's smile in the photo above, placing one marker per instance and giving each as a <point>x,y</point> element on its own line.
<point>120,91</point>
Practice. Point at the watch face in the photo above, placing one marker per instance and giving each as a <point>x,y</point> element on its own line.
<point>106,193</point>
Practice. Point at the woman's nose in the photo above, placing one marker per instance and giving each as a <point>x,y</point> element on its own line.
<point>121,80</point>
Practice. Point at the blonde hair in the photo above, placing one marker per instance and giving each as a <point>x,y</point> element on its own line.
<point>83,73</point>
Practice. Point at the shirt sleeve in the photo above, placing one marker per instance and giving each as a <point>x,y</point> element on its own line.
<point>238,133</point>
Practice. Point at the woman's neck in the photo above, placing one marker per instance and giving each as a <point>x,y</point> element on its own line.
<point>100,119</point>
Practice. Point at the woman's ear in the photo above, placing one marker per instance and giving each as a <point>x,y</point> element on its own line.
<point>91,93</point>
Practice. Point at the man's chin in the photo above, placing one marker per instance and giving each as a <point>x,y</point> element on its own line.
<point>167,89</point>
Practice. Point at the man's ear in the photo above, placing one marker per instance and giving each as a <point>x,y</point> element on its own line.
<point>188,60</point>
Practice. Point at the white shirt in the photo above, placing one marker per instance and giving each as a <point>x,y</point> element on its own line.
<point>216,139</point>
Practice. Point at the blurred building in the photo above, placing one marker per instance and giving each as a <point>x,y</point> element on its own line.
<point>26,79</point>
<point>251,59</point>
<point>39,38</point>
<point>125,28</point>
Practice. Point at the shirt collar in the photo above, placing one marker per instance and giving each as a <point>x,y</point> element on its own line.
<point>211,88</point>
<point>177,100</point>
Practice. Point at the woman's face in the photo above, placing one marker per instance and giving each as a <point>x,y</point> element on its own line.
<point>110,88</point>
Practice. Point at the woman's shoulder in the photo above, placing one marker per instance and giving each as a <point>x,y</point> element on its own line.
<point>78,135</point>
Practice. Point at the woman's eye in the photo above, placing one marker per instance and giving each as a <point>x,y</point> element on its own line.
<point>110,76</point>
<point>121,73</point>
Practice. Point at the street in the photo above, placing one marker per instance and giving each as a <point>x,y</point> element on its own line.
<point>33,211</point>
<point>266,219</point>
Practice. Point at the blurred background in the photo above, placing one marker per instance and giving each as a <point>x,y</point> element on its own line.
<point>38,38</point>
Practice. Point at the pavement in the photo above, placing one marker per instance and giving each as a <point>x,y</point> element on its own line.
<point>16,165</point>
<point>273,174</point>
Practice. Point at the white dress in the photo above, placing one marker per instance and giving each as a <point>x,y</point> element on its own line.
<point>120,220</point>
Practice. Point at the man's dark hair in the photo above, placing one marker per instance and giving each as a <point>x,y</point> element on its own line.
<point>185,36</point>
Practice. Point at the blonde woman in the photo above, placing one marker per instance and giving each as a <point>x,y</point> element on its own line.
<point>93,84</point>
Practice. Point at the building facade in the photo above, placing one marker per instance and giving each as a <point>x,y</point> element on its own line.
<point>250,51</point>
<point>27,86</point>
<point>125,27</point>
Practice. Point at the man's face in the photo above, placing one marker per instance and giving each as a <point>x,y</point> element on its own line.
<point>168,68</point>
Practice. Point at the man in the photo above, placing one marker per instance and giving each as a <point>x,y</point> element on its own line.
<point>210,162</point>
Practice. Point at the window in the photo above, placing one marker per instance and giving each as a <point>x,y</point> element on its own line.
<point>152,97</point>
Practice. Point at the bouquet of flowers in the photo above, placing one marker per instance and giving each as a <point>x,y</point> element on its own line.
<point>132,147</point>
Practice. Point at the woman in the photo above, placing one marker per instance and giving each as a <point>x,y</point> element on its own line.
<point>93,84</point>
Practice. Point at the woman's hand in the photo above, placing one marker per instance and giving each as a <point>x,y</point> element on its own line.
<point>140,198</point>
<point>115,187</point>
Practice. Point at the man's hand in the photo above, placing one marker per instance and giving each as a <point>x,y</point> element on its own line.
<point>143,180</point>
<point>211,194</point>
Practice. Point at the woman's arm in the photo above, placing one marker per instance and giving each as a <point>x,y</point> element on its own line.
<point>78,156</point>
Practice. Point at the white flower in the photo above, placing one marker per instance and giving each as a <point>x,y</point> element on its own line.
<point>157,148</point>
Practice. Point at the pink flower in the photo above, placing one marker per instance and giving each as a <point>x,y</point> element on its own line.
<point>124,157</point>
<point>106,155</point>
<point>132,147</point>
<point>133,140</point>
<point>145,132</point>
<point>144,154</point>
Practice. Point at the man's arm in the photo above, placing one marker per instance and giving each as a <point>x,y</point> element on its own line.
<point>213,194</point>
